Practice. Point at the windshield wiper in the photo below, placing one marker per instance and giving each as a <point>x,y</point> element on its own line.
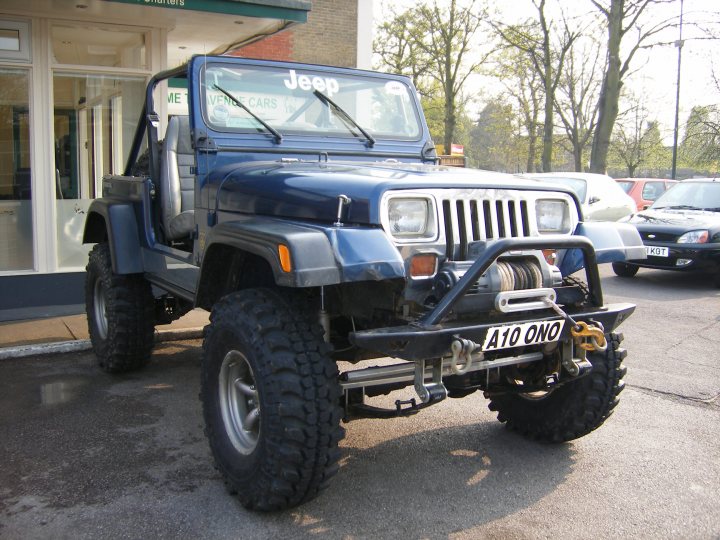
<point>345,117</point>
<point>680,207</point>
<point>275,133</point>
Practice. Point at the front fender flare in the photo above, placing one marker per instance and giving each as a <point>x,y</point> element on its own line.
<point>320,255</point>
<point>613,242</point>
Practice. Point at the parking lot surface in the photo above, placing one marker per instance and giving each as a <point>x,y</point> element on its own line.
<point>85,454</point>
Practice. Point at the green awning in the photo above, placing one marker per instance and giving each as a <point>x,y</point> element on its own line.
<point>287,10</point>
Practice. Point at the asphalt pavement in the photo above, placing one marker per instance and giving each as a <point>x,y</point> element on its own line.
<point>85,454</point>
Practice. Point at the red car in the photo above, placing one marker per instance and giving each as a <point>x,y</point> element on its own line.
<point>644,191</point>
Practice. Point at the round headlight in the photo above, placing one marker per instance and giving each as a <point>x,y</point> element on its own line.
<point>553,216</point>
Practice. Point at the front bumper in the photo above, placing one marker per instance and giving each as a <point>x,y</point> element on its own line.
<point>698,257</point>
<point>432,335</point>
<point>414,343</point>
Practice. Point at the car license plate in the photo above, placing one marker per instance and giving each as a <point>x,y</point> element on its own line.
<point>656,251</point>
<point>520,335</point>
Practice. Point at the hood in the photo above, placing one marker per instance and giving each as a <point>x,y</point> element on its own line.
<point>310,190</point>
<point>676,220</point>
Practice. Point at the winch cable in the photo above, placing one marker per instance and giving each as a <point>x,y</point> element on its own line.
<point>519,275</point>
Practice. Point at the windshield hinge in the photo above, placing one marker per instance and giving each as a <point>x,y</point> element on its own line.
<point>204,143</point>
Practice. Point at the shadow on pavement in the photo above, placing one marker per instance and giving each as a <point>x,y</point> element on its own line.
<point>86,454</point>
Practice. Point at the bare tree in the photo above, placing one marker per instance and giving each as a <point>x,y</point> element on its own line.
<point>576,99</point>
<point>546,46</point>
<point>432,43</point>
<point>637,141</point>
<point>623,18</point>
<point>523,84</point>
<point>398,53</point>
<point>444,32</point>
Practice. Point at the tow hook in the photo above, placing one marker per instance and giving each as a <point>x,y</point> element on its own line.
<point>589,337</point>
<point>586,337</point>
<point>464,349</point>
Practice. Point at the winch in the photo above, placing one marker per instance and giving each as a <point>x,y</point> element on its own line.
<point>521,271</point>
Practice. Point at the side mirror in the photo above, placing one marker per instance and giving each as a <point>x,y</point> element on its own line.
<point>593,200</point>
<point>646,206</point>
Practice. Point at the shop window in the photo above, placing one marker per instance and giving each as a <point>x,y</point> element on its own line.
<point>9,39</point>
<point>16,230</point>
<point>15,41</point>
<point>95,119</point>
<point>93,46</point>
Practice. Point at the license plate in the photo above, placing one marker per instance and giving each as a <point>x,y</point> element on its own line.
<point>657,251</point>
<point>520,335</point>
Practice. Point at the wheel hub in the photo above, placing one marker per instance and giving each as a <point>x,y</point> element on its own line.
<point>100,308</point>
<point>239,402</point>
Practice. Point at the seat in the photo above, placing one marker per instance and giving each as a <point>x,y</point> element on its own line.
<point>177,182</point>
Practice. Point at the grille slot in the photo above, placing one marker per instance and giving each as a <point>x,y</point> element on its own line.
<point>659,236</point>
<point>471,220</point>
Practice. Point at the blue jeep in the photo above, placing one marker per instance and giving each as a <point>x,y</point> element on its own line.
<point>303,207</point>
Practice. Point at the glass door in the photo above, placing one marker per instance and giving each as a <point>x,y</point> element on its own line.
<point>98,78</point>
<point>16,229</point>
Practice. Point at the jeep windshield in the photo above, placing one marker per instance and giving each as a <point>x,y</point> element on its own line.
<point>287,100</point>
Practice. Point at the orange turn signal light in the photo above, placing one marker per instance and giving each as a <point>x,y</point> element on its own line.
<point>423,265</point>
<point>550,255</point>
<point>285,260</point>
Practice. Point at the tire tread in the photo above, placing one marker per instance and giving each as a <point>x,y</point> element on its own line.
<point>131,315</point>
<point>303,423</point>
<point>573,410</point>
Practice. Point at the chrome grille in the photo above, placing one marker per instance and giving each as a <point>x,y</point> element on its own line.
<point>471,220</point>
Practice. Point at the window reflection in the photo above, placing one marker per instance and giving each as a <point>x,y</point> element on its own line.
<point>95,119</point>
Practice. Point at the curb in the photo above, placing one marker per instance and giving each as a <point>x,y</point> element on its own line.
<point>22,351</point>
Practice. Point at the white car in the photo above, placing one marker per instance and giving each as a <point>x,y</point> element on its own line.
<point>602,199</point>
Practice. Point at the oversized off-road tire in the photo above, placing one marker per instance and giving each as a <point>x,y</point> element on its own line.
<point>624,269</point>
<point>572,410</point>
<point>120,311</point>
<point>271,399</point>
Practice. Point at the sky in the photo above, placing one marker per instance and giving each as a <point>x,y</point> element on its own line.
<point>655,69</point>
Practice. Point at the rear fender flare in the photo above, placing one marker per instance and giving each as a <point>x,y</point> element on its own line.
<point>116,222</point>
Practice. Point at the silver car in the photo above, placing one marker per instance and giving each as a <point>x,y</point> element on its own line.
<point>601,198</point>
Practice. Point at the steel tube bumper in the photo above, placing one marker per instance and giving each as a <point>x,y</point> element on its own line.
<point>495,249</point>
<point>415,342</point>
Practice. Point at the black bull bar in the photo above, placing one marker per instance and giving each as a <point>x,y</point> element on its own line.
<point>431,337</point>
